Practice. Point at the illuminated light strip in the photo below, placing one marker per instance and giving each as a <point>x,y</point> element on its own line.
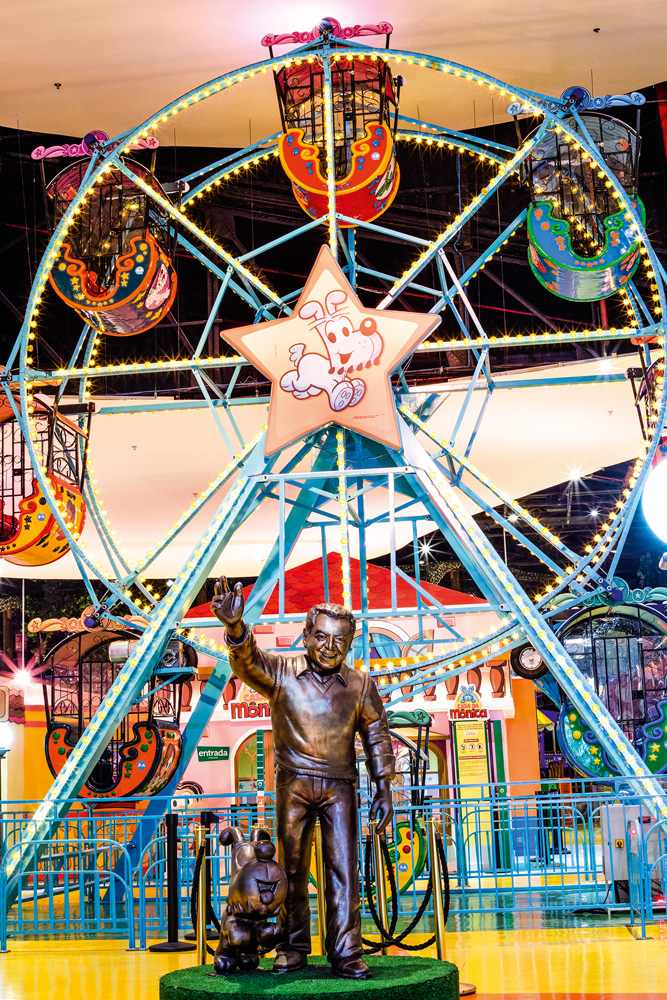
<point>141,367</point>
<point>595,553</point>
<point>443,671</point>
<point>541,636</point>
<point>474,650</point>
<point>123,690</point>
<point>522,339</point>
<point>228,174</point>
<point>467,73</point>
<point>327,106</point>
<point>521,511</point>
<point>187,515</point>
<point>201,235</point>
<point>346,573</point>
<point>503,173</point>
<point>436,140</point>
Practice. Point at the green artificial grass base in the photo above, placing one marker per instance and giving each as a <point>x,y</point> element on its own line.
<point>393,976</point>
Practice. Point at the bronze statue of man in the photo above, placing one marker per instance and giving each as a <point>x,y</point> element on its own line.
<point>318,705</point>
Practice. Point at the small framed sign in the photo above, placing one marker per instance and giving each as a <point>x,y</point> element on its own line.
<point>210,755</point>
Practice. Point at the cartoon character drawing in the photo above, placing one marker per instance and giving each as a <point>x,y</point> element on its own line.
<point>468,695</point>
<point>348,349</point>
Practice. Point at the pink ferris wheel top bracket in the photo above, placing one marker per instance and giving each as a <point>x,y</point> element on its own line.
<point>331,26</point>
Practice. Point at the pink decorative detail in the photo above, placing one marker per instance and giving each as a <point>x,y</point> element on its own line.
<point>82,148</point>
<point>301,37</point>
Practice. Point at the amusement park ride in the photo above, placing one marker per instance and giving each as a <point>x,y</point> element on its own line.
<point>347,450</point>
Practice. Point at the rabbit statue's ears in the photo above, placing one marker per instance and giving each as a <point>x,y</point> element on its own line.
<point>231,835</point>
<point>259,833</point>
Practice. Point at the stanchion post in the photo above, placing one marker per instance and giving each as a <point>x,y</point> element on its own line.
<point>465,989</point>
<point>321,888</point>
<point>436,882</point>
<point>200,838</point>
<point>380,885</point>
<point>173,892</point>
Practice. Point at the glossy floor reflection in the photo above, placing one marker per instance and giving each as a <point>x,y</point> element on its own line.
<point>596,963</point>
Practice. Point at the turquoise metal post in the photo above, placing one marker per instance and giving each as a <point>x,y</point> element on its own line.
<point>163,620</point>
<point>330,152</point>
<point>537,629</point>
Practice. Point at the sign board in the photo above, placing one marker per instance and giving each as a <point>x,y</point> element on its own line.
<point>331,359</point>
<point>471,750</point>
<point>256,709</point>
<point>211,755</point>
<point>468,705</point>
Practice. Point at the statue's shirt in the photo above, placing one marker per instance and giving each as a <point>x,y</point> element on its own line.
<point>316,717</point>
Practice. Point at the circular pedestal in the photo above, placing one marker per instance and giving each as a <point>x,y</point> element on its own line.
<point>395,977</point>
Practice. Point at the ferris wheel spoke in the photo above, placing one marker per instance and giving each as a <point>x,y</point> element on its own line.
<point>482,145</point>
<point>230,161</point>
<point>212,245</point>
<point>537,629</point>
<point>163,621</point>
<point>464,217</point>
<point>330,153</point>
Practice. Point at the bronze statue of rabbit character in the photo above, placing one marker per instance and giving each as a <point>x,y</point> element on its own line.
<point>257,889</point>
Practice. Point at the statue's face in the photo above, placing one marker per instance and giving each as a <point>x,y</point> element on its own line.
<point>328,642</point>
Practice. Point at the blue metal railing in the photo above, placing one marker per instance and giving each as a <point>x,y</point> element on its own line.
<point>519,852</point>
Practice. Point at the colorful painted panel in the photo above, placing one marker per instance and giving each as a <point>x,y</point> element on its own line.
<point>570,276</point>
<point>138,295</point>
<point>34,539</point>
<point>149,760</point>
<point>367,190</point>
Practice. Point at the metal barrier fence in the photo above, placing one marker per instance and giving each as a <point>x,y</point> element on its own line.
<point>510,849</point>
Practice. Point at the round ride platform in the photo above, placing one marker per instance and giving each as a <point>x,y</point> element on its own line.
<point>393,977</point>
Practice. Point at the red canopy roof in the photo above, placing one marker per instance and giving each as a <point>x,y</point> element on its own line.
<point>304,587</point>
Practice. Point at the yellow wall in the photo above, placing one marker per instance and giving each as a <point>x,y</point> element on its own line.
<point>523,755</point>
<point>37,778</point>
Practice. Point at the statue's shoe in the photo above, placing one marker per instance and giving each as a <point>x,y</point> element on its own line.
<point>351,968</point>
<point>290,961</point>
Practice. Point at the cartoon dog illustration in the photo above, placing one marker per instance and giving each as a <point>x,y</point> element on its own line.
<point>348,349</point>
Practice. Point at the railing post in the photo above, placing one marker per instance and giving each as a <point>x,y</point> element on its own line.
<point>436,882</point>
<point>200,839</point>
<point>380,886</point>
<point>4,916</point>
<point>321,888</point>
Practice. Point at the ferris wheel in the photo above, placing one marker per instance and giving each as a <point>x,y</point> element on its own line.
<point>348,454</point>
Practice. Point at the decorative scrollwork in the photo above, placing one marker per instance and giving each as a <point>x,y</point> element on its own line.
<point>580,99</point>
<point>335,28</point>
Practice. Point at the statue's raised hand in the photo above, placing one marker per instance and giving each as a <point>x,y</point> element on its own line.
<point>227,606</point>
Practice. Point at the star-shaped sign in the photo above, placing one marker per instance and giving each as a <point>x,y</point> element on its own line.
<point>331,359</point>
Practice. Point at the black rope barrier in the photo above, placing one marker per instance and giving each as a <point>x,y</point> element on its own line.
<point>387,935</point>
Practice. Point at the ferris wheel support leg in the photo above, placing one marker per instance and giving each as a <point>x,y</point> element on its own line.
<point>495,573</point>
<point>200,718</point>
<point>306,502</point>
<point>327,103</point>
<point>162,622</point>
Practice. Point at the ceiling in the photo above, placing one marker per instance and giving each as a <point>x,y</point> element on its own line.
<point>117,64</point>
<point>149,466</point>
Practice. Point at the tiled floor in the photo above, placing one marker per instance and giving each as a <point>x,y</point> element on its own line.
<point>533,964</point>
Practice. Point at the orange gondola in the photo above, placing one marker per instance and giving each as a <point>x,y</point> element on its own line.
<point>29,532</point>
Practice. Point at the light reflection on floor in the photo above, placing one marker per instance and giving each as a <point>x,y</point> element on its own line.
<point>585,963</point>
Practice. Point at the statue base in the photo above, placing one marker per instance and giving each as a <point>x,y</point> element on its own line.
<point>394,978</point>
